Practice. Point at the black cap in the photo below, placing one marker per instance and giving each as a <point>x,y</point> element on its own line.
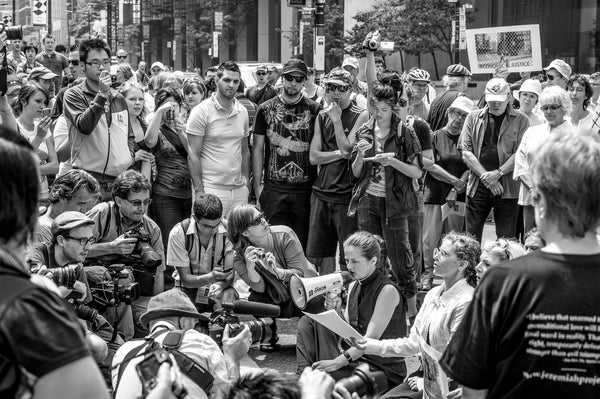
<point>295,65</point>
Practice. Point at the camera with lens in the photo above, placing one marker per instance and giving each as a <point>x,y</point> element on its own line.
<point>147,371</point>
<point>85,312</point>
<point>112,293</point>
<point>12,33</point>
<point>149,258</point>
<point>365,381</point>
<point>65,276</point>
<point>260,329</point>
<point>374,41</point>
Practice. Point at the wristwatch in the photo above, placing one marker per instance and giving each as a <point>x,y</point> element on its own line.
<point>347,356</point>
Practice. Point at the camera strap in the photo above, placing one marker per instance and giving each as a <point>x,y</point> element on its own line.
<point>189,244</point>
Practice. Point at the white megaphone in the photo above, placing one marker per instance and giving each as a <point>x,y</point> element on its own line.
<point>303,290</point>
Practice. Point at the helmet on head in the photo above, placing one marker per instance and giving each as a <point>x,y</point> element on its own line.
<point>418,75</point>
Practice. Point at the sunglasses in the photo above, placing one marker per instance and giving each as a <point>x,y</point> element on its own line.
<point>291,78</point>
<point>74,62</point>
<point>551,77</point>
<point>121,57</point>
<point>257,220</point>
<point>261,73</point>
<point>552,107</point>
<point>331,87</point>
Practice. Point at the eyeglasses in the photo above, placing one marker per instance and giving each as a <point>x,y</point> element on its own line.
<point>291,78</point>
<point>74,62</point>
<point>209,226</point>
<point>331,87</point>
<point>440,253</point>
<point>261,73</point>
<point>551,77</point>
<point>139,203</point>
<point>83,241</point>
<point>552,107</point>
<point>458,114</point>
<point>258,220</point>
<point>121,57</point>
<point>97,64</point>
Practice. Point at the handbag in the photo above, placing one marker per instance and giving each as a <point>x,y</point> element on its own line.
<point>275,288</point>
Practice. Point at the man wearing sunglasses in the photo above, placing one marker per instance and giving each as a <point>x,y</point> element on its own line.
<point>558,73</point>
<point>113,220</point>
<point>262,90</point>
<point>283,130</point>
<point>330,148</point>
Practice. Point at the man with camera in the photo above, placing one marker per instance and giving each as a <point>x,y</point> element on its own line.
<point>43,352</point>
<point>101,137</point>
<point>203,255</point>
<point>76,191</point>
<point>205,370</point>
<point>125,235</point>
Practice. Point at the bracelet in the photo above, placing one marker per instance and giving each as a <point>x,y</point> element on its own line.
<point>347,356</point>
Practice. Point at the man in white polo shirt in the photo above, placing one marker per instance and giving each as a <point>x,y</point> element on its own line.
<point>218,153</point>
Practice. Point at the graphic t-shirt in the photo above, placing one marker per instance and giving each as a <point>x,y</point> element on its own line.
<point>288,131</point>
<point>532,330</point>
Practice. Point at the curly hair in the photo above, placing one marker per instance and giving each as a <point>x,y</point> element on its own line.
<point>66,185</point>
<point>130,181</point>
<point>466,247</point>
<point>585,82</point>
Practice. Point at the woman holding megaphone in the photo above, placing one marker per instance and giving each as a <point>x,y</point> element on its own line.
<point>374,308</point>
<point>266,257</point>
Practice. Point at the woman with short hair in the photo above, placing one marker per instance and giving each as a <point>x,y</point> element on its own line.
<point>555,103</point>
<point>580,91</point>
<point>495,252</point>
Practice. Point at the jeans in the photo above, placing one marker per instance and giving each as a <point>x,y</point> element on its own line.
<point>167,212</point>
<point>479,206</point>
<point>289,209</point>
<point>372,218</point>
<point>415,234</point>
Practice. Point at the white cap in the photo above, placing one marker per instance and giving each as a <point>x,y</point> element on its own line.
<point>463,103</point>
<point>531,86</point>
<point>561,67</point>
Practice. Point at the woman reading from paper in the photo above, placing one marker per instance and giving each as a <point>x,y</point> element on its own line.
<point>374,308</point>
<point>440,314</point>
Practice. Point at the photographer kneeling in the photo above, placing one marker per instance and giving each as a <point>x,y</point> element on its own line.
<point>125,235</point>
<point>172,314</point>
<point>63,258</point>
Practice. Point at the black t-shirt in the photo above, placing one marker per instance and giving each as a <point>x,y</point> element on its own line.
<point>488,157</point>
<point>334,183</point>
<point>260,96</point>
<point>438,118</point>
<point>447,156</point>
<point>423,133</point>
<point>288,131</point>
<point>532,330</point>
<point>38,333</point>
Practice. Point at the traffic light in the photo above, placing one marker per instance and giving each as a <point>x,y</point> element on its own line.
<point>320,13</point>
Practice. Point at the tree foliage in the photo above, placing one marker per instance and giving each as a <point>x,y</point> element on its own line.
<point>416,26</point>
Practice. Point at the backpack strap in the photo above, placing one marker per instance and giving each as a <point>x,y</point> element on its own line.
<point>189,239</point>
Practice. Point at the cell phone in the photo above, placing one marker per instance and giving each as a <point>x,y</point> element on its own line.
<point>170,115</point>
<point>47,112</point>
<point>147,369</point>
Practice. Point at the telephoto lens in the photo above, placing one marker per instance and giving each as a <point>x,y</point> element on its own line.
<point>365,381</point>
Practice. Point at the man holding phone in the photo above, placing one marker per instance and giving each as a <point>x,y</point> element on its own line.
<point>203,255</point>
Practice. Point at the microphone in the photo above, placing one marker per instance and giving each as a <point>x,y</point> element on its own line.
<point>252,308</point>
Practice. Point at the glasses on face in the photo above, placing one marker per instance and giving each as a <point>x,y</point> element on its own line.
<point>121,57</point>
<point>458,114</point>
<point>209,226</point>
<point>551,77</point>
<point>74,62</point>
<point>440,253</point>
<point>257,220</point>
<point>331,87</point>
<point>552,107</point>
<point>95,63</point>
<point>139,203</point>
<point>83,241</point>
<point>261,73</point>
<point>291,78</point>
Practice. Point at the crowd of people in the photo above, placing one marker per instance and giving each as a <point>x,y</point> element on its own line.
<point>136,205</point>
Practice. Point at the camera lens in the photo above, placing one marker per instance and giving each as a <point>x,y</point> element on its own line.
<point>365,381</point>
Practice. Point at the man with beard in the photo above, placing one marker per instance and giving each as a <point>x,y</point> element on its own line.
<point>262,90</point>
<point>283,131</point>
<point>217,131</point>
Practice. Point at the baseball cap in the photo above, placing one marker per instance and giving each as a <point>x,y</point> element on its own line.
<point>41,73</point>
<point>262,68</point>
<point>530,85</point>
<point>350,61</point>
<point>339,76</point>
<point>496,89</point>
<point>561,67</point>
<point>69,220</point>
<point>121,53</point>
<point>463,103</point>
<point>295,65</point>
<point>158,64</point>
<point>457,70</point>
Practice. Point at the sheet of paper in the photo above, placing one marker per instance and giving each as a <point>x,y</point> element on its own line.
<point>458,209</point>
<point>335,323</point>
